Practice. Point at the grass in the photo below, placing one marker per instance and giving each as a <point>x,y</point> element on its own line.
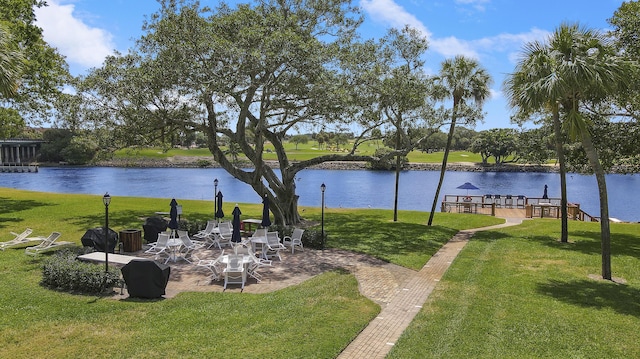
<point>519,293</point>
<point>301,153</point>
<point>511,293</point>
<point>317,318</point>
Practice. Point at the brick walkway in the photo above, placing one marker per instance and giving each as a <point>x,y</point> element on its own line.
<point>377,339</point>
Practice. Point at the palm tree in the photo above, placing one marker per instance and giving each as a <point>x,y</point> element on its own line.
<point>10,64</point>
<point>533,87</point>
<point>576,67</point>
<point>460,79</point>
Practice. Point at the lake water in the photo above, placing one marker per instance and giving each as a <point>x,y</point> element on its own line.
<point>345,188</point>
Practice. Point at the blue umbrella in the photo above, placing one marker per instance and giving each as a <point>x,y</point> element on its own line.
<point>235,234</point>
<point>173,222</point>
<point>467,186</point>
<point>219,213</point>
<point>266,221</point>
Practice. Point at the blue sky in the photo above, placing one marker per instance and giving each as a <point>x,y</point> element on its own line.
<point>491,31</point>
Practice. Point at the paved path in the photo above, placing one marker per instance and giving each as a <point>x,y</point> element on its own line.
<point>377,339</point>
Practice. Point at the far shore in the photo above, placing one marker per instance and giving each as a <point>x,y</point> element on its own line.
<point>208,162</point>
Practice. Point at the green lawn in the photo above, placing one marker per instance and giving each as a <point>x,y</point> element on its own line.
<point>520,293</point>
<point>511,293</point>
<point>317,318</point>
<point>302,153</point>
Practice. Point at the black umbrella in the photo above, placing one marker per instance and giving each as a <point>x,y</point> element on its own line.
<point>173,214</point>
<point>266,221</point>
<point>467,186</point>
<point>544,195</point>
<point>219,213</point>
<point>235,222</point>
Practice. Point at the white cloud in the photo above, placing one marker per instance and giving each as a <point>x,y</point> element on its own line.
<point>387,11</point>
<point>509,43</point>
<point>390,13</point>
<point>452,46</point>
<point>82,45</point>
<point>477,4</point>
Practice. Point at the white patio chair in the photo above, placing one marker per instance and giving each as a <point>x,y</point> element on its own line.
<point>223,236</point>
<point>49,244</point>
<point>188,246</point>
<point>295,240</point>
<point>235,273</point>
<point>255,265</point>
<point>273,246</point>
<point>213,265</point>
<point>161,247</point>
<point>206,234</point>
<point>20,239</point>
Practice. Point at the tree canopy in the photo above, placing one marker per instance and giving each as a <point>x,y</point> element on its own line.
<point>256,73</point>
<point>43,71</point>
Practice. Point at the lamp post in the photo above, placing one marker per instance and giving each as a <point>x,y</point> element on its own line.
<point>322,188</point>
<point>106,199</point>
<point>215,197</point>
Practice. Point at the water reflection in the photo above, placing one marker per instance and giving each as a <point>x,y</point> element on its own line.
<point>345,188</point>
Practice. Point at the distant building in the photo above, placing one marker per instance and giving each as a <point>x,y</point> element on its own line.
<point>19,152</point>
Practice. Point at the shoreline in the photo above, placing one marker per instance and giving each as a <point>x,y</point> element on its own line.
<point>208,162</point>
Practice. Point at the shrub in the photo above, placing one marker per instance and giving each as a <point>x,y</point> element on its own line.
<point>63,272</point>
<point>192,227</point>
<point>203,163</point>
<point>311,238</point>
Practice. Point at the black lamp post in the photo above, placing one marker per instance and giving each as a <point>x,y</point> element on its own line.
<point>215,197</point>
<point>106,199</point>
<point>322,188</point>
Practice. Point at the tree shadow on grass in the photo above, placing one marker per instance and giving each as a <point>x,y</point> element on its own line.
<point>9,205</point>
<point>589,243</point>
<point>594,294</point>
<point>117,220</point>
<point>382,239</point>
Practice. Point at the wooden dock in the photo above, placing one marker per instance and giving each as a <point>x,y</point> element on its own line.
<point>514,207</point>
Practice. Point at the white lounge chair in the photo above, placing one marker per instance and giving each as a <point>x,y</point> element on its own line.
<point>295,240</point>
<point>206,234</point>
<point>161,247</point>
<point>213,265</point>
<point>20,239</point>
<point>223,236</point>
<point>49,244</point>
<point>234,273</point>
<point>274,246</point>
<point>255,265</point>
<point>188,246</point>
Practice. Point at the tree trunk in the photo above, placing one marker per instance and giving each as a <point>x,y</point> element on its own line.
<point>395,201</point>
<point>605,229</point>
<point>443,169</point>
<point>564,232</point>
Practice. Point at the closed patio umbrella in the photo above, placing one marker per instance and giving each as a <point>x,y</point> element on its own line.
<point>544,195</point>
<point>219,213</point>
<point>235,234</point>
<point>266,221</point>
<point>173,215</point>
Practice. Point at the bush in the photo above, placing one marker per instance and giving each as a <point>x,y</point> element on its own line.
<point>192,227</point>
<point>311,238</point>
<point>63,272</point>
<point>203,163</point>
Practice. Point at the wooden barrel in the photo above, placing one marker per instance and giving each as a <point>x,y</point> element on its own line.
<point>131,240</point>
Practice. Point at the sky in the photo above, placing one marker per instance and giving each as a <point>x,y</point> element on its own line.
<point>491,31</point>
